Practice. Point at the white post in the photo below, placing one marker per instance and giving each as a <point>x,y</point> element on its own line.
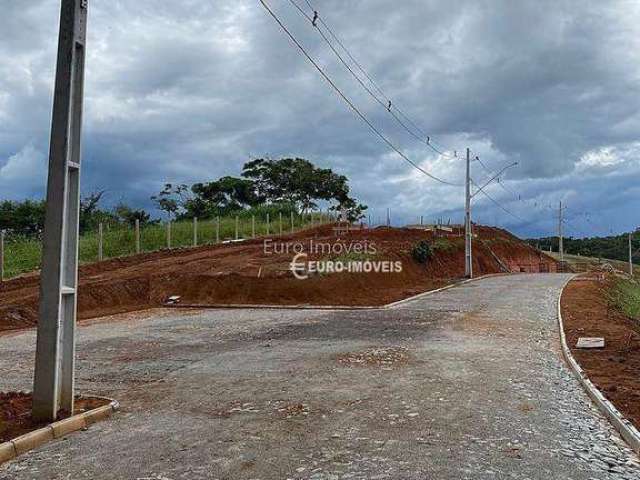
<point>100,242</point>
<point>137,235</point>
<point>217,229</point>
<point>560,242</point>
<point>237,230</point>
<point>195,231</point>
<point>169,233</point>
<point>53,384</point>
<point>1,255</point>
<point>630,255</point>
<point>280,221</point>
<point>468,264</point>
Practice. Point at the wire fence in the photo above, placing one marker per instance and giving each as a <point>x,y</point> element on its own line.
<point>21,254</point>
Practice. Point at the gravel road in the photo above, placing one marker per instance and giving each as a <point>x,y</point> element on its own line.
<point>467,383</point>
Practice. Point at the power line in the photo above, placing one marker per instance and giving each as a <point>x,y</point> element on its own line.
<point>387,104</point>
<point>349,102</point>
<point>496,202</point>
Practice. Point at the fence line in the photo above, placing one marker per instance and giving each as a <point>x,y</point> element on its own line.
<point>23,254</point>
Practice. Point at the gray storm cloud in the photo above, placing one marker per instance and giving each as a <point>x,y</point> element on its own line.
<point>186,91</point>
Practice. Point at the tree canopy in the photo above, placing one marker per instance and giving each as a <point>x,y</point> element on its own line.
<point>290,181</point>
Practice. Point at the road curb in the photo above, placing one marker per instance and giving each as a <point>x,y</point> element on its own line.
<point>236,306</point>
<point>626,429</point>
<point>24,443</point>
<point>441,289</point>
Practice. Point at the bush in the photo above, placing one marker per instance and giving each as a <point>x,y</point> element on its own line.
<point>422,252</point>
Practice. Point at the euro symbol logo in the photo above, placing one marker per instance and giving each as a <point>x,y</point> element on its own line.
<point>298,268</point>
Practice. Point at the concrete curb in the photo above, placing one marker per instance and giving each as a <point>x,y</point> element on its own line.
<point>22,444</point>
<point>626,429</point>
<point>235,306</point>
<point>441,289</point>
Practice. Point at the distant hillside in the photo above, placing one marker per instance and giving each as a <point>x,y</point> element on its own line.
<point>613,247</point>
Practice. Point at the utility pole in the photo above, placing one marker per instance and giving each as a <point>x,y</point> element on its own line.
<point>53,385</point>
<point>468,259</point>
<point>560,244</point>
<point>630,254</point>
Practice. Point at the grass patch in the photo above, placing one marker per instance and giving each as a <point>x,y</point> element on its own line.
<point>625,296</point>
<point>443,244</point>
<point>23,254</point>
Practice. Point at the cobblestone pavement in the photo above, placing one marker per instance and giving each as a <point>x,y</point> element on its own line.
<point>463,384</point>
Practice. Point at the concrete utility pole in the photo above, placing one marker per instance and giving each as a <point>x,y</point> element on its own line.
<point>468,263</point>
<point>53,385</point>
<point>560,245</point>
<point>630,254</point>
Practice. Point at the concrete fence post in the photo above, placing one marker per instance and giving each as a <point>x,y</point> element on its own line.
<point>137,235</point>
<point>1,255</point>
<point>292,222</point>
<point>217,229</point>
<point>253,226</point>
<point>169,234</point>
<point>195,231</point>
<point>237,229</point>
<point>100,242</point>
<point>280,221</point>
<point>388,217</point>
<point>268,226</point>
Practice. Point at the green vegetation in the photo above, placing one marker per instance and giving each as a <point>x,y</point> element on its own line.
<point>292,181</point>
<point>422,252</point>
<point>23,253</point>
<point>269,189</point>
<point>613,247</point>
<point>625,296</point>
<point>443,244</point>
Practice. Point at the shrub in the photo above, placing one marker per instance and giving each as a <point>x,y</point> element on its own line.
<point>422,252</point>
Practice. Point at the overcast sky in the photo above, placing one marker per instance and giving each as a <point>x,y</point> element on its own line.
<point>189,91</point>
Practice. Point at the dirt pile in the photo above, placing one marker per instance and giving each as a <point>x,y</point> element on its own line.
<point>250,273</point>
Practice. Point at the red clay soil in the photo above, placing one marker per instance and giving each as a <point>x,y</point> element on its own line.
<point>615,369</point>
<point>15,413</point>
<point>242,273</point>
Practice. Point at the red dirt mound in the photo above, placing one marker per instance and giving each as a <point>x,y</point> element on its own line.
<point>586,312</point>
<point>247,273</point>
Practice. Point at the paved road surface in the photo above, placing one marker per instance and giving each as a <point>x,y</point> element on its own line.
<point>464,384</point>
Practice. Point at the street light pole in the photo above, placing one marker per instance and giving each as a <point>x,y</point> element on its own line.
<point>468,264</point>
<point>53,386</point>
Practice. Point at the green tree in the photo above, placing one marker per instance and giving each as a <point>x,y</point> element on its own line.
<point>295,180</point>
<point>25,217</point>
